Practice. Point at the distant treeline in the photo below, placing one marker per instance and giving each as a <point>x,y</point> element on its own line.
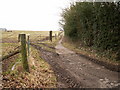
<point>94,24</point>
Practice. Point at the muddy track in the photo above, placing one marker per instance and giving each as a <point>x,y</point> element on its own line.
<point>105,64</point>
<point>73,70</point>
<point>65,78</point>
<point>47,45</point>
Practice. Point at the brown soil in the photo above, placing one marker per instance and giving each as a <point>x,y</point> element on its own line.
<point>75,71</point>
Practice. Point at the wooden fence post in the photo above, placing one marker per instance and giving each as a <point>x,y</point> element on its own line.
<point>51,36</point>
<point>19,38</point>
<point>28,39</point>
<point>55,36</point>
<point>24,52</point>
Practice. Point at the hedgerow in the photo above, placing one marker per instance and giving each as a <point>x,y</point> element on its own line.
<point>94,24</point>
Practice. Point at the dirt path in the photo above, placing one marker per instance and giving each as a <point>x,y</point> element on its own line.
<point>88,74</point>
<point>73,71</point>
<point>62,50</point>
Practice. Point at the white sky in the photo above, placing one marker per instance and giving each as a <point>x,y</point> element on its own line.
<point>31,14</point>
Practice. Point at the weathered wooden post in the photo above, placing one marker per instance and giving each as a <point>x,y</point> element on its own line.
<point>24,52</point>
<point>55,36</point>
<point>28,39</point>
<point>19,38</point>
<point>51,36</point>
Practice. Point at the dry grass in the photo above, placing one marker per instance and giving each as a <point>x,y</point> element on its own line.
<point>33,34</point>
<point>8,48</point>
<point>88,52</point>
<point>10,39</point>
<point>41,74</point>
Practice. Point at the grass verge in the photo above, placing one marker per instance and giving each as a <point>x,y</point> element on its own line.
<point>88,52</point>
<point>40,76</point>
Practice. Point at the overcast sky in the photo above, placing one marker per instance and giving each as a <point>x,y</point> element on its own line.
<point>31,14</point>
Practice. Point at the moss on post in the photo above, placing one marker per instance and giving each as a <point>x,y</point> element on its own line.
<point>24,52</point>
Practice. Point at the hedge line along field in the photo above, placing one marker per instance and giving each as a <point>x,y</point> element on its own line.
<point>94,25</point>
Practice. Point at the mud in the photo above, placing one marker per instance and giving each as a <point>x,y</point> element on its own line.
<point>109,66</point>
<point>75,71</point>
<point>64,77</point>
